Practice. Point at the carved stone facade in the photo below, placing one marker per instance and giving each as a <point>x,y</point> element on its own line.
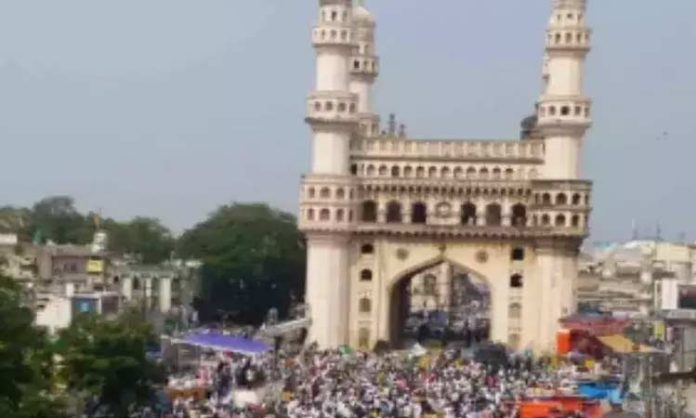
<point>378,209</point>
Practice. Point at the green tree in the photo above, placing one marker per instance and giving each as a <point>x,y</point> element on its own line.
<point>145,237</point>
<point>253,260</point>
<point>57,219</point>
<point>105,360</point>
<point>16,220</point>
<point>25,360</point>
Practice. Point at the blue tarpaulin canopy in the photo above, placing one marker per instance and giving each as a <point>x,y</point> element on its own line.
<point>222,342</point>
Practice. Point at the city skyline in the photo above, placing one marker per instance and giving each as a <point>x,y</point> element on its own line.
<point>165,115</point>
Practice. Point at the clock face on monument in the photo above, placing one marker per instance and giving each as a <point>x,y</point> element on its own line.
<point>443,210</point>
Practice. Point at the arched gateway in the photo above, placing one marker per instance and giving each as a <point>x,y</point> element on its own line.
<point>379,208</point>
<point>440,300</point>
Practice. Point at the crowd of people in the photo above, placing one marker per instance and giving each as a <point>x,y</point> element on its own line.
<point>328,384</point>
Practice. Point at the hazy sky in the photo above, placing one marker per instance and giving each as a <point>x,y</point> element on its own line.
<point>170,108</point>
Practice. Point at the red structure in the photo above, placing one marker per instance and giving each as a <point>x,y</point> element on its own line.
<point>559,406</point>
<point>581,331</point>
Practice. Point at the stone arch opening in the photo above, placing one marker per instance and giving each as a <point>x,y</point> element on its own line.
<point>369,211</point>
<point>519,215</point>
<point>469,214</point>
<point>442,301</point>
<point>562,199</point>
<point>419,213</point>
<point>494,215</point>
<point>324,215</point>
<point>394,212</point>
<point>365,305</point>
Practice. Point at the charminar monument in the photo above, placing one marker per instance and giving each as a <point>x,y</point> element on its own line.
<point>379,208</point>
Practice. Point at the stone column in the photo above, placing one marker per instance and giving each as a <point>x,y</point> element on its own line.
<point>165,294</point>
<point>148,292</point>
<point>127,288</point>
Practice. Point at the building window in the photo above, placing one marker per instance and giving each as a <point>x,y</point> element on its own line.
<point>419,213</point>
<point>514,341</point>
<point>519,216</point>
<point>367,249</point>
<point>562,199</point>
<point>560,220</point>
<point>469,214</point>
<point>366,275</point>
<point>429,285</point>
<point>325,193</point>
<point>576,199</point>
<point>545,220</point>
<point>515,311</point>
<point>364,338</point>
<point>394,212</point>
<point>369,211</point>
<point>517,254</point>
<point>516,281</point>
<point>324,215</point>
<point>494,214</point>
<point>395,171</point>
<point>310,214</point>
<point>365,305</point>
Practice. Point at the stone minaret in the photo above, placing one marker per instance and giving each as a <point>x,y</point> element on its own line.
<point>365,69</point>
<point>563,118</point>
<point>327,208</point>
<point>563,110</point>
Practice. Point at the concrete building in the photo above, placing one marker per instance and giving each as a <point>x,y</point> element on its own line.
<point>56,309</point>
<point>378,208</point>
<point>160,287</point>
<point>627,278</point>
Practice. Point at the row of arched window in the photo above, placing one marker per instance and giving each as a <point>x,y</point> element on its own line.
<point>561,199</point>
<point>334,15</point>
<point>449,190</point>
<point>334,35</point>
<point>469,213</point>
<point>560,220</point>
<point>329,106</point>
<point>564,110</point>
<point>325,214</point>
<point>558,38</point>
<point>469,216</point>
<point>365,65</point>
<point>446,172</point>
<point>326,192</point>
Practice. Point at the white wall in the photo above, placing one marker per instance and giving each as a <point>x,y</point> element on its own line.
<point>56,315</point>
